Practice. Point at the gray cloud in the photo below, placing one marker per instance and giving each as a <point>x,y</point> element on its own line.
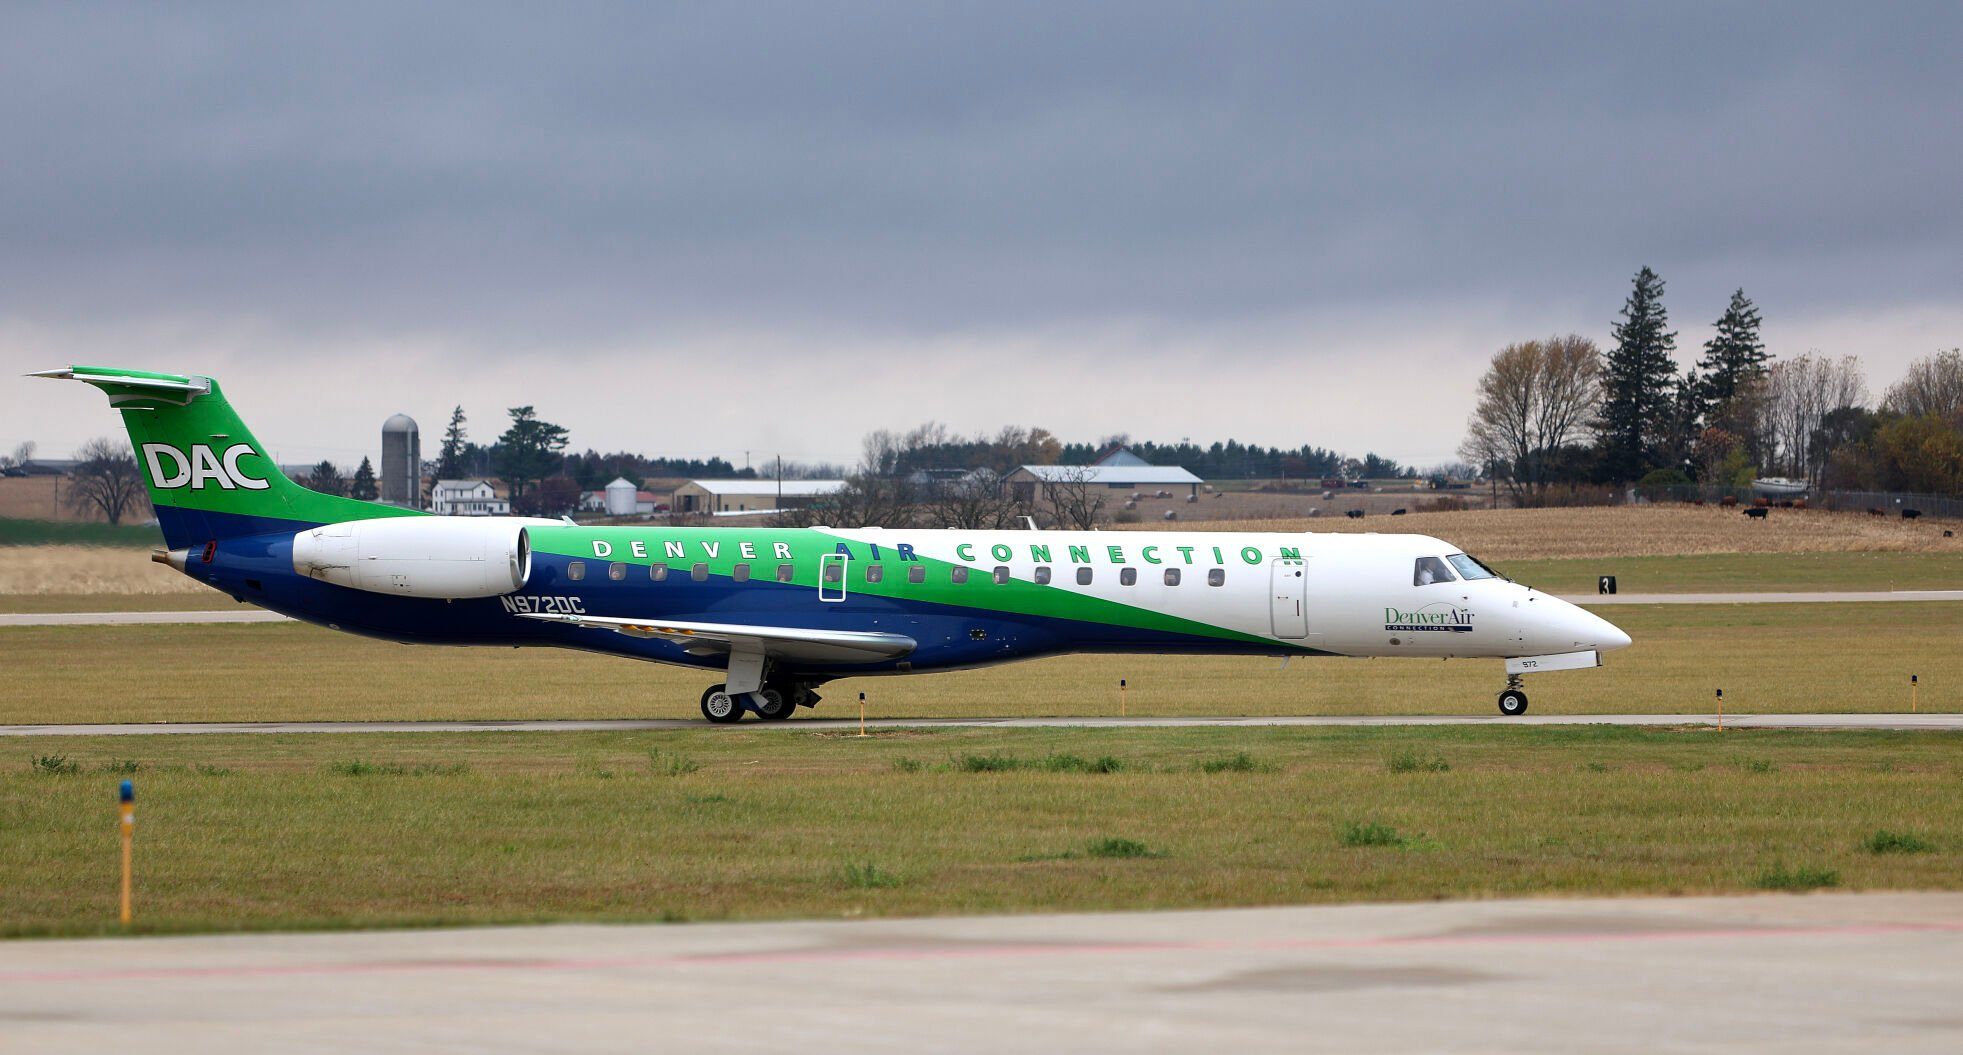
<point>512,182</point>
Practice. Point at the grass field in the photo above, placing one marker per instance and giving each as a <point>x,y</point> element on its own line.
<point>17,532</point>
<point>355,830</point>
<point>1743,572</point>
<point>1848,657</point>
<point>1633,531</point>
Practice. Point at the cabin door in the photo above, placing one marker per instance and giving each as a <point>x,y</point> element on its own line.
<point>1288,594</point>
<point>831,576</point>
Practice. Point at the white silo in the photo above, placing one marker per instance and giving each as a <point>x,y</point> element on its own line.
<point>621,494</point>
<point>402,462</point>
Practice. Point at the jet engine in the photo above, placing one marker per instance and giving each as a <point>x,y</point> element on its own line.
<point>447,558</point>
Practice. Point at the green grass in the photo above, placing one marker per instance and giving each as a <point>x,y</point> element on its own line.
<point>1787,658</point>
<point>1884,841</point>
<point>262,832</point>
<point>59,532</point>
<point>1805,877</point>
<point>1370,834</point>
<point>1744,572</point>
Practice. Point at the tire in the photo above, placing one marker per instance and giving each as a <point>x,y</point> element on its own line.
<point>1513,703</point>
<point>774,706</point>
<point>715,700</point>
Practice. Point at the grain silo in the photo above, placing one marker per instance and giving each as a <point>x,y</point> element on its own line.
<point>402,462</point>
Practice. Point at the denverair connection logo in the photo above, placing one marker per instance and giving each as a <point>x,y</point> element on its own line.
<point>1438,615</point>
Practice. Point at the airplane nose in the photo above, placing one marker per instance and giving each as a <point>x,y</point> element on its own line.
<point>1610,636</point>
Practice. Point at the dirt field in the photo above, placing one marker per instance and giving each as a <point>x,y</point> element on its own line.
<point>43,498</point>
<point>1640,531</point>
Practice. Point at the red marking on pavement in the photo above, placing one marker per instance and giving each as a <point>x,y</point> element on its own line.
<point>953,953</point>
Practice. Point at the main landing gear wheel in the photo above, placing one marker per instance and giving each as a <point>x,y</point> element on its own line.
<point>773,705</point>
<point>720,707</point>
<point>1513,701</point>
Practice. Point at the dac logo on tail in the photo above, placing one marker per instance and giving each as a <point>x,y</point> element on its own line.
<point>200,467</point>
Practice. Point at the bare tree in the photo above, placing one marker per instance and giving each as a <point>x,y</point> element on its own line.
<point>106,480</point>
<point>977,500</point>
<point>1799,394</point>
<point>1073,500</point>
<point>21,456</point>
<point>1933,386</point>
<point>1537,397</point>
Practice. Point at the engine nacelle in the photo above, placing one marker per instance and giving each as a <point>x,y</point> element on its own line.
<point>448,558</point>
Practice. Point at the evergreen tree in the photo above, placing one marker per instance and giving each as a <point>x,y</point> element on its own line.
<point>363,486</point>
<point>450,463</point>
<point>529,451</point>
<point>1735,353</point>
<point>1640,398</point>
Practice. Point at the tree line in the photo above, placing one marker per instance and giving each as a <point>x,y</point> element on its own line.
<point>1557,412</point>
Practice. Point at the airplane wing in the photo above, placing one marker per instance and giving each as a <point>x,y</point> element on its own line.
<point>778,642</point>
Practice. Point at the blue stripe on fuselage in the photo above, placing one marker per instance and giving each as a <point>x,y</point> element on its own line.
<point>258,569</point>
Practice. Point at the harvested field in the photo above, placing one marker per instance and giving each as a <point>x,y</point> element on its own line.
<point>1616,531</point>
<point>97,570</point>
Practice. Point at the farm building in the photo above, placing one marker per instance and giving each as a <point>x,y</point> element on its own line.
<point>467,498</point>
<point>750,496</point>
<point>1116,468</point>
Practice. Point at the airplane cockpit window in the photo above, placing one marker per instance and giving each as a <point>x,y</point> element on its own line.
<point>1431,570</point>
<point>1471,568</point>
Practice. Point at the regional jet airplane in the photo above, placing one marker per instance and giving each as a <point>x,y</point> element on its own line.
<point>778,612</point>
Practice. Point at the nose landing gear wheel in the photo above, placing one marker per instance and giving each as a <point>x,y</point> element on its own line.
<point>1513,703</point>
<point>720,707</point>
<point>773,705</point>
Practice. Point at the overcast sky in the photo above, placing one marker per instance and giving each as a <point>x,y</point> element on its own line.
<point>714,228</point>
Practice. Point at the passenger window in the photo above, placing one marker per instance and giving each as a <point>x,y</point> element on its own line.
<point>786,572</point>
<point>1128,577</point>
<point>576,570</point>
<point>700,573</point>
<point>1431,570</point>
<point>617,571</point>
<point>658,572</point>
<point>875,572</point>
<point>917,574</point>
<point>1172,576</point>
<point>741,574</point>
<point>1083,576</point>
<point>1043,575</point>
<point>1216,576</point>
<point>1001,574</point>
<point>835,572</point>
<point>958,574</point>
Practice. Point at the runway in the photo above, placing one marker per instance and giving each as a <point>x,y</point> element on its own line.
<point>1894,721</point>
<point>1839,972</point>
<point>260,615</point>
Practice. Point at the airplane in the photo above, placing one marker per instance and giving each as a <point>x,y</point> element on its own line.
<point>777,613</point>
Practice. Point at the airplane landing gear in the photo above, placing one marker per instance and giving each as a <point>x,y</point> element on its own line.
<point>1513,700</point>
<point>720,706</point>
<point>773,704</point>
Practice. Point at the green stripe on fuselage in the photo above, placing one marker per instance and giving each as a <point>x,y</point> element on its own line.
<point>807,546</point>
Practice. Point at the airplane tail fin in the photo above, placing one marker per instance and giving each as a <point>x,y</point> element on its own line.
<point>208,477</point>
